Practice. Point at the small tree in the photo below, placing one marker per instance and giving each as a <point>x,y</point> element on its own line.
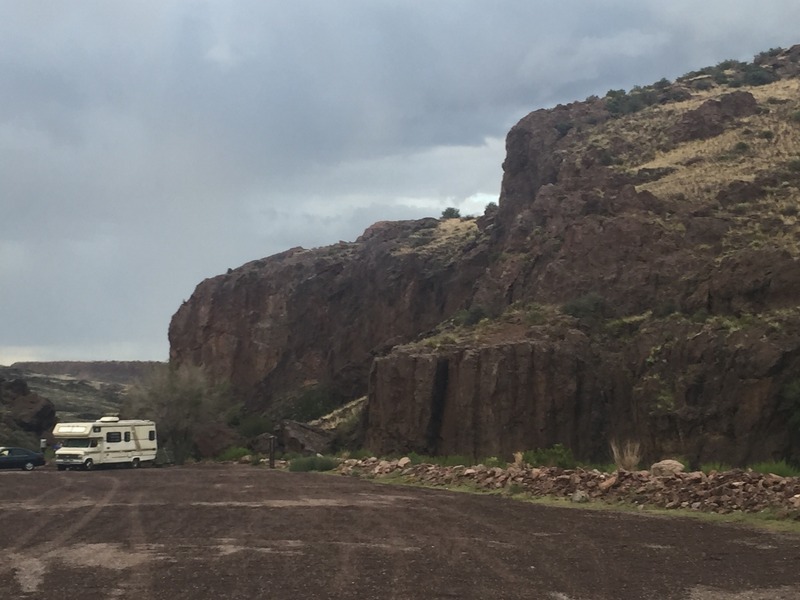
<point>181,401</point>
<point>451,213</point>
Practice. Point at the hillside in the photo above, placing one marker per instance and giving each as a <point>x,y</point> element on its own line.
<point>638,280</point>
<point>78,390</point>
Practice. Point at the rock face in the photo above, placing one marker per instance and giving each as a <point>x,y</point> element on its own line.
<point>318,317</point>
<point>640,277</point>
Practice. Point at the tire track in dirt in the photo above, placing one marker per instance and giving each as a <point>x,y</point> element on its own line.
<point>30,565</point>
<point>472,546</point>
<point>139,583</point>
<point>68,532</point>
<point>43,521</point>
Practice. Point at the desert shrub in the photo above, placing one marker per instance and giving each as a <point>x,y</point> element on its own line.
<point>233,454</point>
<point>313,463</point>
<point>253,425</point>
<point>795,116</point>
<point>627,456</point>
<point>704,84</point>
<point>766,134</point>
<point>665,309</point>
<point>591,306</point>
<point>182,401</point>
<point>563,128</point>
<point>470,316</point>
<point>794,165</point>
<point>313,403</point>
<point>555,456</point>
<point>451,213</point>
<point>780,468</point>
<point>755,75</point>
<point>662,84</point>
<point>535,314</point>
<point>741,147</point>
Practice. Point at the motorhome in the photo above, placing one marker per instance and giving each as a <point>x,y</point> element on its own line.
<point>106,441</point>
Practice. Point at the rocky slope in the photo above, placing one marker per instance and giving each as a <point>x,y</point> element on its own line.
<point>638,281</point>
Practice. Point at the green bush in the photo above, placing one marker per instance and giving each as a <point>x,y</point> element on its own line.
<point>555,456</point>
<point>313,463</point>
<point>451,213</point>
<point>233,454</point>
<point>755,75</point>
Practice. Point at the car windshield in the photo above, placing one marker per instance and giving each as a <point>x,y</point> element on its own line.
<point>76,443</point>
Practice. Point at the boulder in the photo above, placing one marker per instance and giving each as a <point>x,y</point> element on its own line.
<point>666,468</point>
<point>302,438</point>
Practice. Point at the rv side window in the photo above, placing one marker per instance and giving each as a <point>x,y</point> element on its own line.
<point>93,444</point>
<point>127,436</point>
<point>96,429</point>
<point>151,436</point>
<point>113,436</point>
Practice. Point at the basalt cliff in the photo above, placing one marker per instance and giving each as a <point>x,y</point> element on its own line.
<point>637,280</point>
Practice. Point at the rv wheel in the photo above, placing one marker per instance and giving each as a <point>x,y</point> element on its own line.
<point>89,464</point>
<point>62,468</point>
<point>135,463</point>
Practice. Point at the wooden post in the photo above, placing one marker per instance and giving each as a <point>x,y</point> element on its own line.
<point>272,452</point>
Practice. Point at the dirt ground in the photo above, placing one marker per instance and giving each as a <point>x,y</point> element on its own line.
<point>239,532</point>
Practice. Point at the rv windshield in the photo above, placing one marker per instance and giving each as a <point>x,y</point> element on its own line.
<point>76,443</point>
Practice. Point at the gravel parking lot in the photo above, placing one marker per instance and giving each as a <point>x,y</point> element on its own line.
<point>240,532</point>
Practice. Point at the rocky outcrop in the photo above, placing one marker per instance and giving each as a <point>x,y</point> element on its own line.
<point>704,391</point>
<point>23,410</point>
<point>711,118</point>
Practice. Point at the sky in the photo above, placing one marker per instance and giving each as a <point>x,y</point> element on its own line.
<point>148,145</point>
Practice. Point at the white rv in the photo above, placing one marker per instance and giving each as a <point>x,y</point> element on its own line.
<point>109,440</point>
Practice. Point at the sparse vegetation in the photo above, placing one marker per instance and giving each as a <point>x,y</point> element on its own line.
<point>233,454</point>
<point>780,468</point>
<point>555,456</point>
<point>312,403</point>
<point>470,316</point>
<point>589,307</point>
<point>627,456</point>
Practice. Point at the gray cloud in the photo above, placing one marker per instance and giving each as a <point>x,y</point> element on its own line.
<point>145,146</point>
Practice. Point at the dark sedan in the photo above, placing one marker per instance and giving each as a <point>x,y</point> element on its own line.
<point>20,458</point>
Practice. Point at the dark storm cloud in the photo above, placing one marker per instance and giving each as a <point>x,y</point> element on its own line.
<point>147,145</point>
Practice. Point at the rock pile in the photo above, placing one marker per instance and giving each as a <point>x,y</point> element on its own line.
<point>718,492</point>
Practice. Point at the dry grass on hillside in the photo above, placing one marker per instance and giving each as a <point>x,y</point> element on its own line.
<point>447,235</point>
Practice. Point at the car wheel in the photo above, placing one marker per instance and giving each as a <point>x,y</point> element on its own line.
<point>88,464</point>
<point>28,466</point>
<point>135,464</point>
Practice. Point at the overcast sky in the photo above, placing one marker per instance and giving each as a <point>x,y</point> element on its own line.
<point>148,145</point>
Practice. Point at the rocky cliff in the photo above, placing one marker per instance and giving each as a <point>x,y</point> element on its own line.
<point>638,280</point>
